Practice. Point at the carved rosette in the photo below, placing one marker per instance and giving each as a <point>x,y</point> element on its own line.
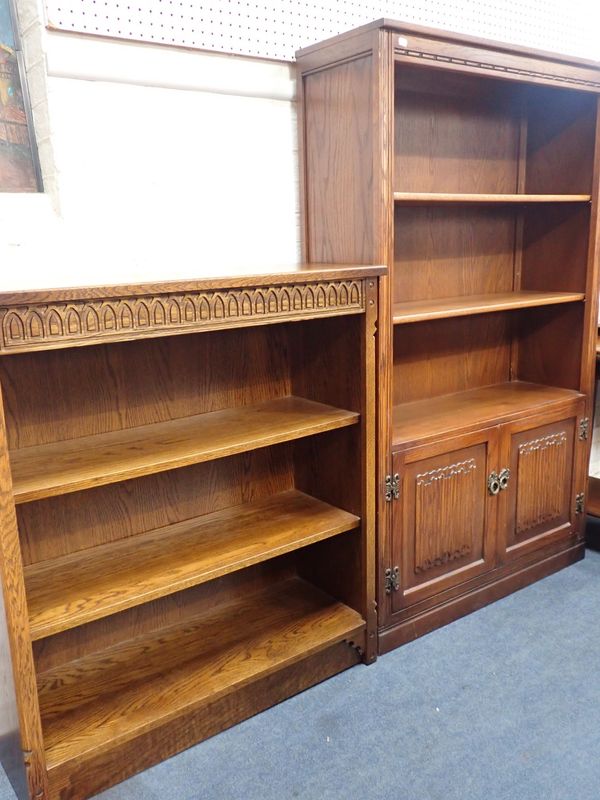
<point>53,325</point>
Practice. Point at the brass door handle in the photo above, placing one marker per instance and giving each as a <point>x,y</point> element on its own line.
<point>493,483</point>
<point>498,482</point>
<point>503,478</point>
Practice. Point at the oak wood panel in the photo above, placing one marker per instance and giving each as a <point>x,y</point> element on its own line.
<point>439,416</point>
<point>323,362</point>
<point>449,251</point>
<point>450,355</point>
<point>49,326</point>
<point>431,198</point>
<point>555,248</point>
<point>551,346</point>
<point>72,465</point>
<point>29,764</point>
<point>215,278</point>
<point>81,778</point>
<point>57,526</point>
<point>445,522</point>
<point>443,308</point>
<point>57,395</point>
<point>99,581</point>
<point>172,610</point>
<point>539,505</point>
<point>560,142</point>
<point>92,705</point>
<point>454,133</point>
<point>338,136</point>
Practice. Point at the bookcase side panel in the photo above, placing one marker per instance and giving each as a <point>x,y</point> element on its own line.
<point>26,769</point>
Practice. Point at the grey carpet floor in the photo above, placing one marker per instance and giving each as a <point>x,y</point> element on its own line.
<point>501,705</point>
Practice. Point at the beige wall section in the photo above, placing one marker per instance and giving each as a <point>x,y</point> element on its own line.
<point>158,163</point>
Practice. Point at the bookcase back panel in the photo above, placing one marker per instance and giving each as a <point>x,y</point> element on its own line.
<point>455,132</point>
<point>452,251</point>
<point>171,610</point>
<point>560,140</point>
<point>550,345</point>
<point>72,522</point>
<point>324,357</point>
<point>555,248</point>
<point>57,395</point>
<point>450,355</point>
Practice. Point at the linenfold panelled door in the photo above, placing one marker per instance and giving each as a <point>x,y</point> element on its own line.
<point>540,506</point>
<point>444,523</point>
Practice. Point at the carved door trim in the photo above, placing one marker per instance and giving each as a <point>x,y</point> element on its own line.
<point>449,474</point>
<point>539,507</point>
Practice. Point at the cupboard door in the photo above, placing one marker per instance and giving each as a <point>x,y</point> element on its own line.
<point>443,524</point>
<point>538,506</point>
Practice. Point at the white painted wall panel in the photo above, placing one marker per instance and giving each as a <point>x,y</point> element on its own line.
<point>166,164</point>
<point>277,28</point>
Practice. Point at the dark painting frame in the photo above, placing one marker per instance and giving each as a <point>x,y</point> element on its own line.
<point>19,161</point>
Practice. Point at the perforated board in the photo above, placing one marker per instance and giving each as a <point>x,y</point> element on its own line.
<point>277,28</point>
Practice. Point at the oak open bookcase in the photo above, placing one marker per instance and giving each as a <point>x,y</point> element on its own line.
<point>471,169</point>
<point>187,511</point>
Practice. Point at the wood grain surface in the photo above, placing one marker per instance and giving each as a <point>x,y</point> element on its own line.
<point>430,198</point>
<point>222,278</point>
<point>57,526</point>
<point>79,779</point>
<point>25,760</point>
<point>102,580</point>
<point>115,696</point>
<point>71,465</point>
<point>449,250</point>
<point>442,308</point>
<point>439,416</point>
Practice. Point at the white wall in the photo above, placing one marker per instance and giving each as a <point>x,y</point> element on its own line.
<point>158,163</point>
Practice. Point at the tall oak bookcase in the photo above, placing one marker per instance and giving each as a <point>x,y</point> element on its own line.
<point>470,168</point>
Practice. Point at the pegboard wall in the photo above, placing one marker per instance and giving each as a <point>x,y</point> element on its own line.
<point>275,29</point>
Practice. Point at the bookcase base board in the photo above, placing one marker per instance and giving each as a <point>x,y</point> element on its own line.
<point>492,587</point>
<point>90,776</point>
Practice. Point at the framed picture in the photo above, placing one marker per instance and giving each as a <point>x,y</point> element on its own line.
<point>19,166</point>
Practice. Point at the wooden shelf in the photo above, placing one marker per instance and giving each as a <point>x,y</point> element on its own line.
<point>427,419</point>
<point>102,701</point>
<point>68,466</point>
<point>94,583</point>
<point>431,198</point>
<point>442,308</point>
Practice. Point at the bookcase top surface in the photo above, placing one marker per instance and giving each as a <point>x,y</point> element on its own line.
<point>219,278</point>
<point>456,38</point>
